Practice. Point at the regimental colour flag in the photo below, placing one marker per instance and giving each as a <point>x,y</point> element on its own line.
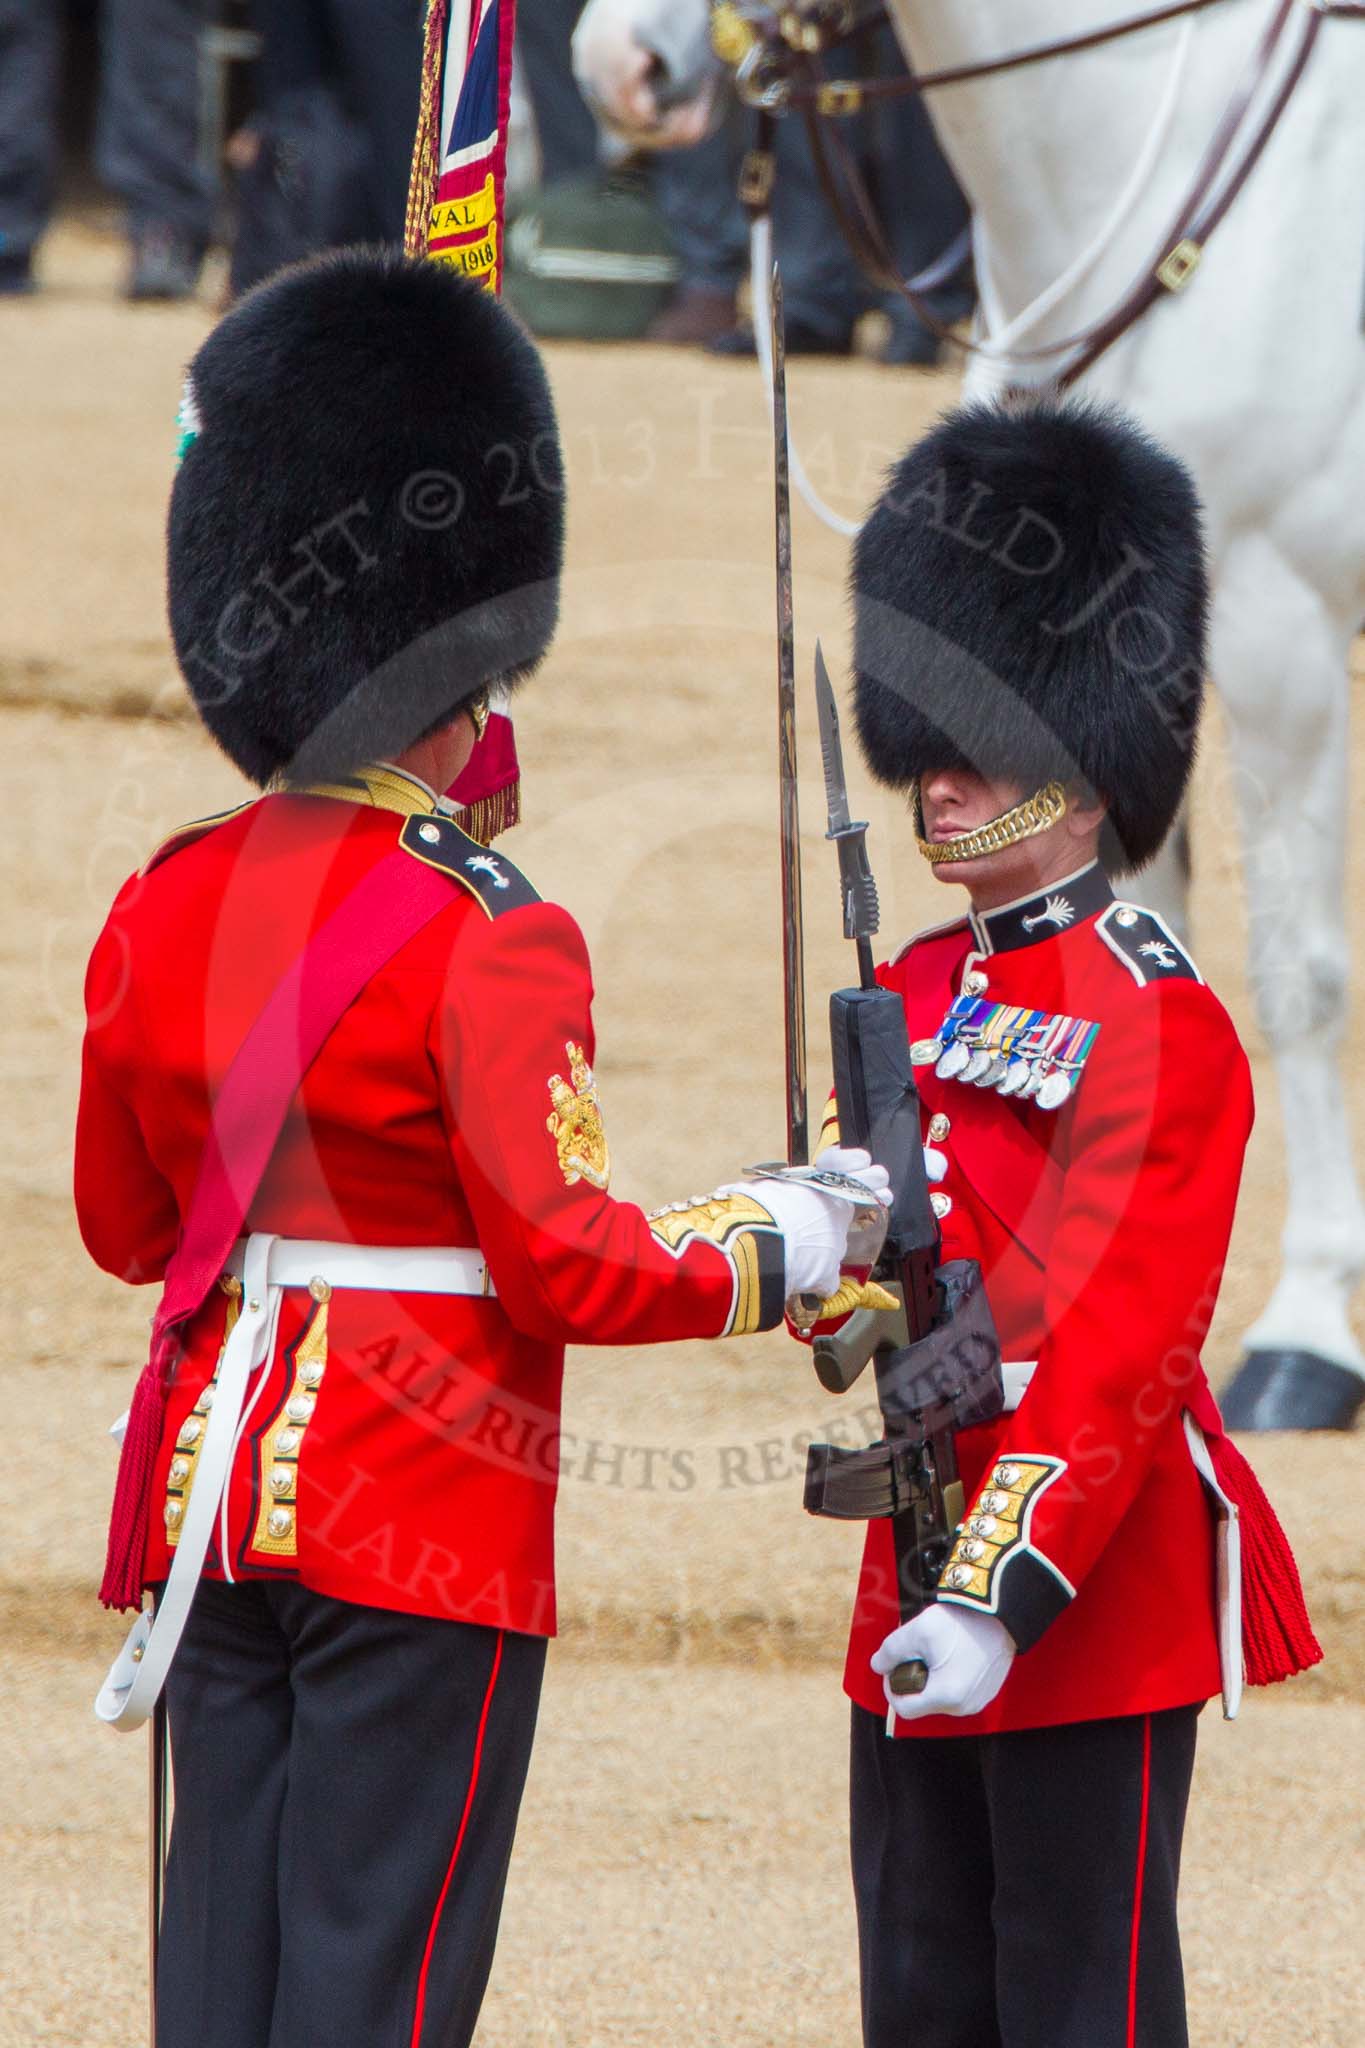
<point>455,201</point>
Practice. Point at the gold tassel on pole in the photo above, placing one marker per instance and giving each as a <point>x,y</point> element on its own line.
<point>426,149</point>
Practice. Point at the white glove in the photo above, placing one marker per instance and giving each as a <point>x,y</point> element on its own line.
<point>815,1225</point>
<point>969,1657</point>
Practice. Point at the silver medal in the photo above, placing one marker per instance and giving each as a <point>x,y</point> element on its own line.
<point>925,1051</point>
<point>1053,1090</point>
<point>995,1072</point>
<point>953,1061</point>
<point>976,1066</point>
<point>1034,1082</point>
<point>1016,1074</point>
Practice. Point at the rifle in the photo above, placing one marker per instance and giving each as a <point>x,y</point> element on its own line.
<point>936,1356</point>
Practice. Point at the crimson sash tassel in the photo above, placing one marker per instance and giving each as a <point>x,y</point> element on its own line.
<point>1277,1634</point>
<point>129,1516</point>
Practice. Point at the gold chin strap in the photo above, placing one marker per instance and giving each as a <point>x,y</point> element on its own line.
<point>1034,815</point>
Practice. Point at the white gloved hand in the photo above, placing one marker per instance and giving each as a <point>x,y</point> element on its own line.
<point>814,1224</point>
<point>969,1657</point>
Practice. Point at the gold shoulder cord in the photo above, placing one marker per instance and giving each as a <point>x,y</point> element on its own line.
<point>1024,821</point>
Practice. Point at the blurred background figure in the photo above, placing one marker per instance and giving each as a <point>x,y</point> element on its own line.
<point>275,128</point>
<point>324,157</point>
<point>29,36</point>
<point>147,139</point>
<point>146,136</point>
<point>691,193</point>
<point>694,192</point>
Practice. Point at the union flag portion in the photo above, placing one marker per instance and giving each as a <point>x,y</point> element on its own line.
<point>455,200</point>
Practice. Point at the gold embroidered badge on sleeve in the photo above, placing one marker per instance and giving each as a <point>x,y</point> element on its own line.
<point>575,1123</point>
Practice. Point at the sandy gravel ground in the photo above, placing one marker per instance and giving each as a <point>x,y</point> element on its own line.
<point>681,1866</point>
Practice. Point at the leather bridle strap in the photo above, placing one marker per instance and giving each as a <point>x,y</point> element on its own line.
<point>1200,215</point>
<point>847,195</point>
<point>840,97</point>
<point>833,97</point>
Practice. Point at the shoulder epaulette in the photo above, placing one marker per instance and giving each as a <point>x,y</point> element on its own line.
<point>491,877</point>
<point>933,931</point>
<point>1145,944</point>
<point>185,835</point>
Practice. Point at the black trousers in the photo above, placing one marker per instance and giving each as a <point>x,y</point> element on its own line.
<point>369,52</point>
<point>346,1790</point>
<point>30,48</point>
<point>147,131</point>
<point>1019,1891</point>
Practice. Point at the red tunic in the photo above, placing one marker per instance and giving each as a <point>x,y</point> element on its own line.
<point>453,1105</point>
<point>1101,1228</point>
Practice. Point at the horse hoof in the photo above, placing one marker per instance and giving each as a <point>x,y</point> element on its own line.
<point>1291,1390</point>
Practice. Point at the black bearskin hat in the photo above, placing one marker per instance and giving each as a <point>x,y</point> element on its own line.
<point>367,526</point>
<point>1030,601</point>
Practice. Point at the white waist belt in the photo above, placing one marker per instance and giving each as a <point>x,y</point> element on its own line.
<point>1017,1373</point>
<point>391,1268</point>
<point>266,1266</point>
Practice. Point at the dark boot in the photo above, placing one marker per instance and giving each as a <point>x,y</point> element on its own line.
<point>16,273</point>
<point>694,317</point>
<point>801,340</point>
<point>165,265</point>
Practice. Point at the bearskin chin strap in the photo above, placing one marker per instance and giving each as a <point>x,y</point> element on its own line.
<point>1023,821</point>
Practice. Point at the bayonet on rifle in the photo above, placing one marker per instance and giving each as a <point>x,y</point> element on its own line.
<point>862,915</point>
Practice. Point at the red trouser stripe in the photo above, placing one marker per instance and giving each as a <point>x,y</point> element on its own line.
<point>1139,1879</point>
<point>459,1844</point>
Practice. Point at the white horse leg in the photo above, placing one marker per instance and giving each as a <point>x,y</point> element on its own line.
<point>1281,659</point>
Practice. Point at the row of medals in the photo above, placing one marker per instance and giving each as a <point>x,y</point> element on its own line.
<point>1040,1075</point>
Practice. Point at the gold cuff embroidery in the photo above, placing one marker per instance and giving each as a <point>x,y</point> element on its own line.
<point>717,1217</point>
<point>997,1526</point>
<point>189,1440</point>
<point>277,1472</point>
<point>729,1221</point>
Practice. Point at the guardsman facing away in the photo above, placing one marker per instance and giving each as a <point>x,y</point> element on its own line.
<point>338,1097</point>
